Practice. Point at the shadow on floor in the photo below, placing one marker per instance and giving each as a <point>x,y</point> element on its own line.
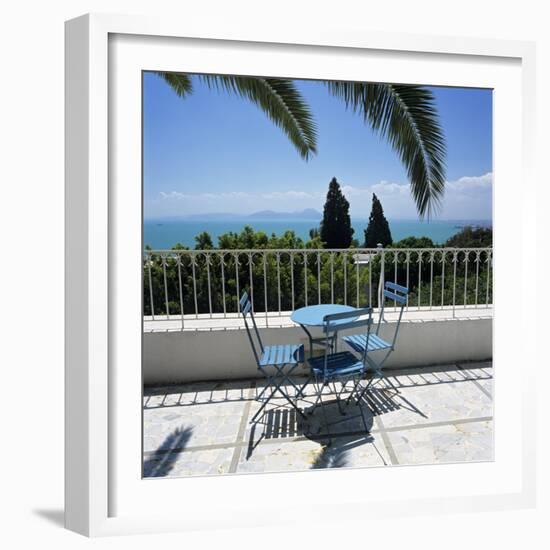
<point>328,426</point>
<point>196,393</point>
<point>337,454</point>
<point>331,457</point>
<point>162,461</point>
<point>204,393</point>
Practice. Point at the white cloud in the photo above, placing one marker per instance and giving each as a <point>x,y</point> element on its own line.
<point>467,183</point>
<point>173,195</point>
<point>381,188</point>
<point>389,188</point>
<point>466,197</point>
<point>212,196</point>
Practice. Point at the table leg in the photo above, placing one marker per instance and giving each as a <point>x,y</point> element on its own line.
<point>310,340</point>
<point>321,341</point>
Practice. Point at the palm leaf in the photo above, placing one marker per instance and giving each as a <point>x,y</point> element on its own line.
<point>277,97</point>
<point>179,82</point>
<point>281,102</point>
<point>406,116</point>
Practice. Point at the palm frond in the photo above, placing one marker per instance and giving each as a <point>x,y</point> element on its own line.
<point>179,82</point>
<point>406,116</point>
<point>281,102</point>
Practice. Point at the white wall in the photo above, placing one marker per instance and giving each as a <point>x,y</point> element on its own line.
<point>216,355</point>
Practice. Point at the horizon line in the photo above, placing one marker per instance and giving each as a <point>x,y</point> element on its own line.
<point>240,217</point>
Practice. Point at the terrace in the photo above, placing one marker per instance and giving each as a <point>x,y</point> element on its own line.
<point>441,414</point>
<point>201,379</point>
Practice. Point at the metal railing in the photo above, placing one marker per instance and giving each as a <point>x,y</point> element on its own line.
<point>192,284</point>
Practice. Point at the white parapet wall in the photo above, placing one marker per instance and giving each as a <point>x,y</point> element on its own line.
<point>195,355</point>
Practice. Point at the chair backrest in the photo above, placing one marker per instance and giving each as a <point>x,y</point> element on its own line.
<point>397,293</point>
<point>336,322</point>
<point>246,311</point>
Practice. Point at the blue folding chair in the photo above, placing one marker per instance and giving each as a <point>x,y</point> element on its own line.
<point>341,366</point>
<point>368,343</point>
<point>275,362</point>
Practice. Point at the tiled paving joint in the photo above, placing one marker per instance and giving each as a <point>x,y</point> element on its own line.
<point>441,437</point>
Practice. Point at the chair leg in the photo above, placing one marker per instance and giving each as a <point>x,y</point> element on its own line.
<point>286,376</point>
<point>364,390</point>
<point>393,386</point>
<point>325,414</point>
<point>282,377</point>
<point>367,431</point>
<point>253,419</point>
<point>269,382</point>
<point>303,387</point>
<point>317,400</point>
<point>354,389</point>
<point>273,385</point>
<point>338,399</point>
<point>292,404</point>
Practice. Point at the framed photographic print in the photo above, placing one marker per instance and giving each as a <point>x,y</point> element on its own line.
<point>288,273</point>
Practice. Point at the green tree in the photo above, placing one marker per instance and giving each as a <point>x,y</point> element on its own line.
<point>284,278</point>
<point>314,233</point>
<point>204,241</point>
<point>378,230</point>
<point>336,230</point>
<point>403,114</point>
<point>471,237</point>
<point>414,242</point>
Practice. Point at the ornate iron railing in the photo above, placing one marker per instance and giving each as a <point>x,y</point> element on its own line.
<point>187,284</point>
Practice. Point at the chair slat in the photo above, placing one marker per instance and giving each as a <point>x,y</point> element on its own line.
<point>244,299</point>
<point>395,286</point>
<point>338,364</point>
<point>396,297</point>
<point>332,327</point>
<point>347,314</point>
<point>283,354</point>
<point>359,341</point>
<point>287,352</point>
<point>280,355</point>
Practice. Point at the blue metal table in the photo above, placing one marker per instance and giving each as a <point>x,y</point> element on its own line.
<point>312,316</point>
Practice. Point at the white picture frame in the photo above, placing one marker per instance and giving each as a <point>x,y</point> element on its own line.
<point>104,492</point>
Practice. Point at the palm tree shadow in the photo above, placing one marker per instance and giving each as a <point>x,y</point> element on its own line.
<point>331,457</point>
<point>162,461</point>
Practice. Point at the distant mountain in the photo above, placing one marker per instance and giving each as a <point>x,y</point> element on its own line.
<point>266,215</point>
<point>213,216</point>
<point>307,214</point>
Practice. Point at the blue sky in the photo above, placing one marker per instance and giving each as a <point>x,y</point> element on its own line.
<point>216,152</point>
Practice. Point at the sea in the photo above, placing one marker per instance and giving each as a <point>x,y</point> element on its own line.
<point>164,234</point>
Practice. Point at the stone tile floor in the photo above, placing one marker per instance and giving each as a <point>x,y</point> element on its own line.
<point>441,414</point>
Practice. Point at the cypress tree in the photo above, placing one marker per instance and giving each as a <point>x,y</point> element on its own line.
<point>336,230</point>
<point>378,230</point>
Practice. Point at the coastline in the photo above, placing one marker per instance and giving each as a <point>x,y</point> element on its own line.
<point>166,233</point>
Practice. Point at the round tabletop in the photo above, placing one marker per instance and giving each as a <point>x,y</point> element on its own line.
<point>313,315</point>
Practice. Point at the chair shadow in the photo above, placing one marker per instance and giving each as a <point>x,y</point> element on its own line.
<point>344,430</point>
<point>282,422</point>
<point>163,459</point>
